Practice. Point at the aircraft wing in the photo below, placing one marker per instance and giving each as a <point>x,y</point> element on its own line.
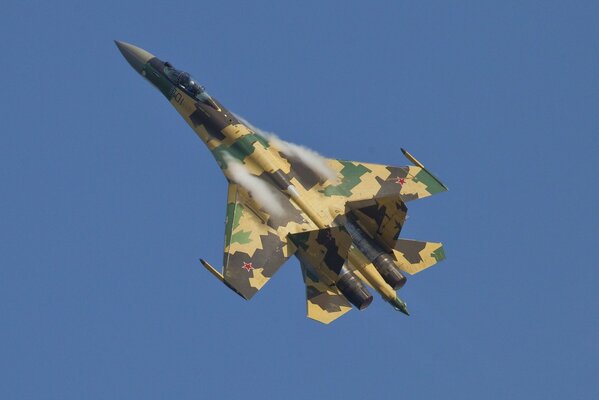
<point>254,251</point>
<point>358,182</point>
<point>361,181</point>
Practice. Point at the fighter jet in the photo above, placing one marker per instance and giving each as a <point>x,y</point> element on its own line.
<point>342,219</point>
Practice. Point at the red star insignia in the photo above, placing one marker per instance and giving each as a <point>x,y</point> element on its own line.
<point>247,266</point>
<point>400,181</point>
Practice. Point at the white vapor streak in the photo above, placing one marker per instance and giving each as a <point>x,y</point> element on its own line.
<point>261,191</point>
<point>313,160</point>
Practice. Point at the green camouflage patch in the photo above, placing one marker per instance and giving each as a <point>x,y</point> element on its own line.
<point>351,178</point>
<point>439,254</point>
<point>240,149</point>
<point>433,185</point>
<point>242,237</point>
<point>234,212</point>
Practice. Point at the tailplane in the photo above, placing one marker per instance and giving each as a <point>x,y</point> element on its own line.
<point>414,256</point>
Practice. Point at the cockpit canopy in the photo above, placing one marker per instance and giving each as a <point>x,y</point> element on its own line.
<point>187,82</point>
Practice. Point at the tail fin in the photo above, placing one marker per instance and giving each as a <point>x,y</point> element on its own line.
<point>413,256</point>
<point>325,248</point>
<point>381,217</point>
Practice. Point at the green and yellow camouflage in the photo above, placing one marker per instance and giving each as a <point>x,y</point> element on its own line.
<point>324,302</point>
<point>343,225</point>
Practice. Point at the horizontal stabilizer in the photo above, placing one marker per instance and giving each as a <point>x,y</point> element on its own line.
<point>324,302</point>
<point>413,256</point>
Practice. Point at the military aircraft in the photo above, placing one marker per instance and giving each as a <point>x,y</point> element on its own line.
<point>342,219</point>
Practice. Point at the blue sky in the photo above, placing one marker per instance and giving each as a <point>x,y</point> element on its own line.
<point>108,199</point>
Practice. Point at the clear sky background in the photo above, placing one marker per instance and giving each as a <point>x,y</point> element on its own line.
<point>108,199</point>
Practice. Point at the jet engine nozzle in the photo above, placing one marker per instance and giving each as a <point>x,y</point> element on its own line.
<point>354,290</point>
<point>386,266</point>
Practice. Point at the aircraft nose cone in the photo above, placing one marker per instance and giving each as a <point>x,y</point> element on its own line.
<point>134,55</point>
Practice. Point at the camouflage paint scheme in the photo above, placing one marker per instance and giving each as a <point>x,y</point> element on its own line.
<point>257,242</point>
